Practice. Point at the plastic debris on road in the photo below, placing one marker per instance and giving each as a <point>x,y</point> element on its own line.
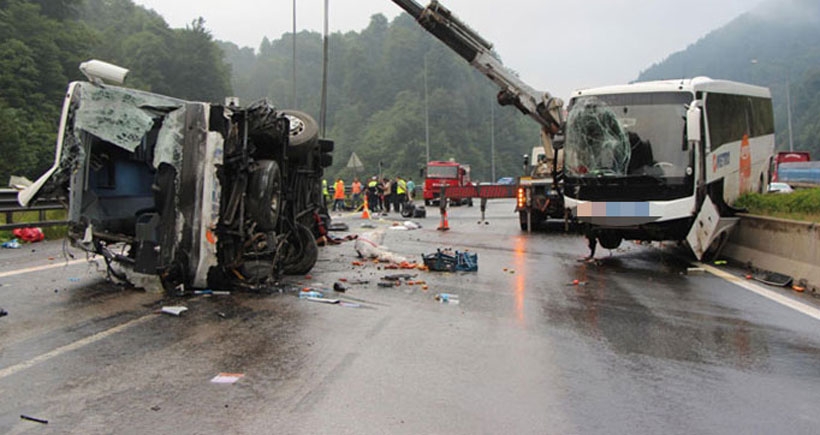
<point>405,226</point>
<point>29,234</point>
<point>174,310</point>
<point>12,244</point>
<point>227,378</point>
<point>447,298</point>
<point>368,246</point>
<point>444,261</point>
<point>34,419</point>
<point>322,300</point>
<point>307,293</point>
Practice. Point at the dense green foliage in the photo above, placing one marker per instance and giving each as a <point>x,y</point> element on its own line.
<point>42,42</point>
<point>776,44</point>
<point>802,204</point>
<point>376,99</point>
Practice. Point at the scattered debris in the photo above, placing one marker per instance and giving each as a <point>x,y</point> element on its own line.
<point>368,246</point>
<point>405,226</point>
<point>388,283</point>
<point>34,419</point>
<point>339,287</point>
<point>349,304</point>
<point>11,244</point>
<point>308,293</point>
<point>399,277</point>
<point>227,378</point>
<point>3,312</point>
<point>74,280</point>
<point>721,263</point>
<point>451,262</point>
<point>322,300</point>
<point>212,292</point>
<point>773,278</point>
<point>174,311</point>
<point>447,298</point>
<point>29,234</point>
<point>155,408</point>
<point>695,270</point>
<point>338,226</point>
<point>578,282</point>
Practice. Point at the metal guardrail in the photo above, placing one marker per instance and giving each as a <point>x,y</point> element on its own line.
<point>10,207</point>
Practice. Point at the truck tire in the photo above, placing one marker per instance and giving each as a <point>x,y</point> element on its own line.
<point>264,194</point>
<point>609,240</point>
<point>304,132</point>
<point>301,252</point>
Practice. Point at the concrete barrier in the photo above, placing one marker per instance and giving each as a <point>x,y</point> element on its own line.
<point>779,245</point>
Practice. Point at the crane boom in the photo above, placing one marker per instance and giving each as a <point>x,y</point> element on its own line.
<point>440,22</point>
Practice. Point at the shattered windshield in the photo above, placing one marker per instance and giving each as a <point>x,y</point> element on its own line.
<point>627,135</point>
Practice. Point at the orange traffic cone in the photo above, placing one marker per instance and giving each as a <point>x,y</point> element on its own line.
<point>365,209</point>
<point>444,224</point>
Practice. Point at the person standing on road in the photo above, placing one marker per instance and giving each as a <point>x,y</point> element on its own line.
<point>401,193</point>
<point>373,194</point>
<point>356,191</point>
<point>325,193</point>
<point>411,189</point>
<point>386,198</point>
<point>339,195</point>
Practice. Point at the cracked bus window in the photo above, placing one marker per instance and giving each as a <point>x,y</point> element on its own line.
<point>628,135</point>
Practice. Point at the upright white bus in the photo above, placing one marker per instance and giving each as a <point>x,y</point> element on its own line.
<point>664,160</point>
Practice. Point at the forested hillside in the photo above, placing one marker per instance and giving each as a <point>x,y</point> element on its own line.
<point>776,44</point>
<point>42,42</point>
<point>376,94</point>
<point>376,98</point>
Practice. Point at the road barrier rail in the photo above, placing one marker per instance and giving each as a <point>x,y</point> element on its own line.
<point>10,208</point>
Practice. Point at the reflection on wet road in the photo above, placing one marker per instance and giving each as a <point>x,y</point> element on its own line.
<point>539,343</point>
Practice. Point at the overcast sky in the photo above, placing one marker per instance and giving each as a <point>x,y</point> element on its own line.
<point>555,46</point>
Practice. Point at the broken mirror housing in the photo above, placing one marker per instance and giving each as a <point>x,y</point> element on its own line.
<point>198,194</point>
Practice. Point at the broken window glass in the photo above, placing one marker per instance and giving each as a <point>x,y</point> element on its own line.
<point>119,116</point>
<point>596,144</point>
<point>640,134</point>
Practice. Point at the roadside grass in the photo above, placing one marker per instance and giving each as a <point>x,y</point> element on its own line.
<point>800,205</point>
<point>51,233</point>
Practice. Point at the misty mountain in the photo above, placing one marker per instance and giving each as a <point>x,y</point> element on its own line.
<point>775,45</point>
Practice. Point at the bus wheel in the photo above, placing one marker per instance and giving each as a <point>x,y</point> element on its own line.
<point>609,240</point>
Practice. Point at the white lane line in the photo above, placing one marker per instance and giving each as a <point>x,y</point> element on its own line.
<point>39,268</point>
<point>8,371</point>
<point>762,291</point>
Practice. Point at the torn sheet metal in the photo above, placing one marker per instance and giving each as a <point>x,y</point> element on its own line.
<point>119,116</point>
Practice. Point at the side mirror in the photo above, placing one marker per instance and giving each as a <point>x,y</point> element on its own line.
<point>692,125</point>
<point>526,160</point>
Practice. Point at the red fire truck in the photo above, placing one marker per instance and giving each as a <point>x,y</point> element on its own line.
<point>448,174</point>
<point>788,157</point>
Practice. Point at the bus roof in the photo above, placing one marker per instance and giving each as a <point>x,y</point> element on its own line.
<point>697,84</point>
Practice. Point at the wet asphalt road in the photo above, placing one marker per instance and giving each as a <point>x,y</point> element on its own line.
<point>642,348</point>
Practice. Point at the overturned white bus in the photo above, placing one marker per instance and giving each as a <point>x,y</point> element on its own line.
<point>198,194</point>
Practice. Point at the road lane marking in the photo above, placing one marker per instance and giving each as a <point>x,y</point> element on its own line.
<point>39,268</point>
<point>762,291</point>
<point>8,371</point>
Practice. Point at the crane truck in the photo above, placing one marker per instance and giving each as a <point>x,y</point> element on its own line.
<point>661,160</point>
<point>539,193</point>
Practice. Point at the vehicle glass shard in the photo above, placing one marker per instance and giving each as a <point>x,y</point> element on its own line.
<point>596,143</point>
<point>119,116</point>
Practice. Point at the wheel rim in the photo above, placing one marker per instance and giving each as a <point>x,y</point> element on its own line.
<point>297,126</point>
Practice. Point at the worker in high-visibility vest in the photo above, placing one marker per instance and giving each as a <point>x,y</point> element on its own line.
<point>325,193</point>
<point>373,194</point>
<point>339,195</point>
<point>356,192</point>
<point>401,194</point>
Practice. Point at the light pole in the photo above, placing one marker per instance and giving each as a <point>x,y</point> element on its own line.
<point>788,105</point>
<point>492,139</point>
<point>426,113</point>
<point>293,77</point>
